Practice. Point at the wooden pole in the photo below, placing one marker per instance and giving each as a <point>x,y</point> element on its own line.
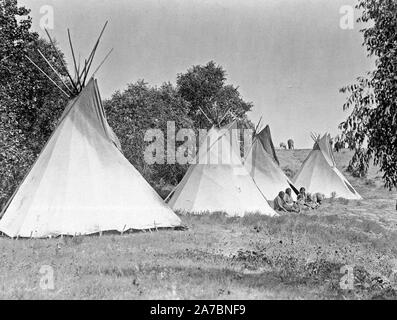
<point>104,59</point>
<point>257,126</point>
<point>78,67</point>
<point>224,116</point>
<point>205,115</point>
<point>53,69</point>
<point>48,77</point>
<point>74,60</point>
<point>91,58</point>
<point>61,60</point>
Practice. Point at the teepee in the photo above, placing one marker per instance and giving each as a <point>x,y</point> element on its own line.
<point>262,163</point>
<point>319,173</point>
<point>217,181</point>
<point>81,183</point>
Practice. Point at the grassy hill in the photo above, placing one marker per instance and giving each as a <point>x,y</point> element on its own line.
<point>290,257</point>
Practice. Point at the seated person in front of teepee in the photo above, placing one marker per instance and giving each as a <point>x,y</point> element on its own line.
<point>311,201</point>
<point>317,198</point>
<point>304,200</point>
<point>280,204</point>
<point>301,195</point>
<point>320,197</point>
<point>289,201</point>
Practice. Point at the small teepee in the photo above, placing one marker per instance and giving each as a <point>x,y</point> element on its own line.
<point>262,163</point>
<point>217,181</point>
<point>81,183</point>
<point>319,173</point>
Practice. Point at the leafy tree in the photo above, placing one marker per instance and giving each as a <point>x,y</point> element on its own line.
<point>30,104</point>
<point>205,88</point>
<point>371,128</point>
<point>139,108</point>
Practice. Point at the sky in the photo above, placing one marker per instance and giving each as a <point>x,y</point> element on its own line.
<point>288,57</point>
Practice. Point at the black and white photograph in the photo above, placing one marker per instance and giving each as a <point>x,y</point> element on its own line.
<point>211,152</point>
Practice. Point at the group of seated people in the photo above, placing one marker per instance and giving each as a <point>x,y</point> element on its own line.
<point>305,201</point>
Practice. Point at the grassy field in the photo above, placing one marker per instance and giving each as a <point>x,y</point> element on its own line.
<point>255,257</point>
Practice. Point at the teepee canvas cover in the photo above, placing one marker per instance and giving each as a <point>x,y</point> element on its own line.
<point>265,138</point>
<point>264,169</point>
<point>320,174</point>
<point>81,183</point>
<point>218,182</point>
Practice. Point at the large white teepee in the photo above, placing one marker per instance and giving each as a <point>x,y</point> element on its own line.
<point>218,182</point>
<point>81,183</point>
<point>263,168</point>
<point>319,173</point>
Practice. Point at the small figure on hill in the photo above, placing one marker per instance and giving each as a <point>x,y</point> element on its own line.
<point>283,145</point>
<point>290,143</point>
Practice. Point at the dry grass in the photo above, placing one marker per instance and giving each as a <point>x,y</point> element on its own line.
<point>255,257</point>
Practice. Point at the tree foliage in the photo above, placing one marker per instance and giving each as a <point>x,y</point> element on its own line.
<point>29,104</point>
<point>205,88</point>
<point>371,127</point>
<point>139,108</point>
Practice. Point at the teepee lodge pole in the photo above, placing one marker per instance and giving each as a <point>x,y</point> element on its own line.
<point>80,74</point>
<point>78,66</point>
<point>257,126</point>
<point>206,115</point>
<point>224,116</point>
<point>53,69</point>
<point>61,60</point>
<point>74,61</point>
<point>91,57</point>
<point>93,52</point>
<point>100,65</point>
<point>84,73</point>
<point>48,77</point>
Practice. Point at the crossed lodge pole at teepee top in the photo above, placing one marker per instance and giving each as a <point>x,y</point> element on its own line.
<point>77,82</point>
<point>217,121</point>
